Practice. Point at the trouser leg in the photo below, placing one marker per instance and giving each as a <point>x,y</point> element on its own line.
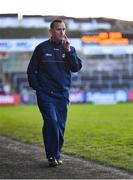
<point>61,116</point>
<point>50,130</point>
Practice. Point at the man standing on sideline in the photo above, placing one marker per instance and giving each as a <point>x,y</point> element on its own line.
<point>49,73</point>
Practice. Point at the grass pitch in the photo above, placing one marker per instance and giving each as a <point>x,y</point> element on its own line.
<point>98,132</point>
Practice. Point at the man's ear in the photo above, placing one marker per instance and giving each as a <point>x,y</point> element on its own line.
<point>50,31</point>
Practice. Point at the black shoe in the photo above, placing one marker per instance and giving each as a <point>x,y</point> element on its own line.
<point>60,162</point>
<point>52,162</point>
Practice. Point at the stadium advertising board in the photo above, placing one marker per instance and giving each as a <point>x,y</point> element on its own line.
<point>13,99</point>
<point>97,97</point>
<point>102,97</point>
<point>27,45</point>
<point>20,45</point>
<point>106,97</point>
<point>130,96</point>
<point>105,38</point>
<point>77,97</point>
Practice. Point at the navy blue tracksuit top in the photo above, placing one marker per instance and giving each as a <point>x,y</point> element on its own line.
<point>50,68</point>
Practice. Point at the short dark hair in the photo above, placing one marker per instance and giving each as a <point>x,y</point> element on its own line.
<point>54,22</point>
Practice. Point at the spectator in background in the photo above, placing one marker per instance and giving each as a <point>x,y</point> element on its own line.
<point>49,73</point>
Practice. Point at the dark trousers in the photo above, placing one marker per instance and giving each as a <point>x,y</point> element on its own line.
<point>54,113</point>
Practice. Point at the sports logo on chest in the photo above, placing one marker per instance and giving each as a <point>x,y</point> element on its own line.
<point>63,55</point>
<point>56,49</point>
<point>48,54</point>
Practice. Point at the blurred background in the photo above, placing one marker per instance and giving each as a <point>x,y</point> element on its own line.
<point>104,44</point>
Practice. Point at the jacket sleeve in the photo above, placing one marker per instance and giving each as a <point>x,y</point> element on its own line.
<point>32,70</point>
<point>74,62</point>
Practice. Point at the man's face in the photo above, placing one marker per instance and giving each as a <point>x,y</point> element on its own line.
<point>58,32</point>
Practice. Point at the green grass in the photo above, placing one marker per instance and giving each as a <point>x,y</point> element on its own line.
<point>99,132</point>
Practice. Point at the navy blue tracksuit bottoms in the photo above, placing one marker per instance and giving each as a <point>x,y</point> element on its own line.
<point>54,113</point>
